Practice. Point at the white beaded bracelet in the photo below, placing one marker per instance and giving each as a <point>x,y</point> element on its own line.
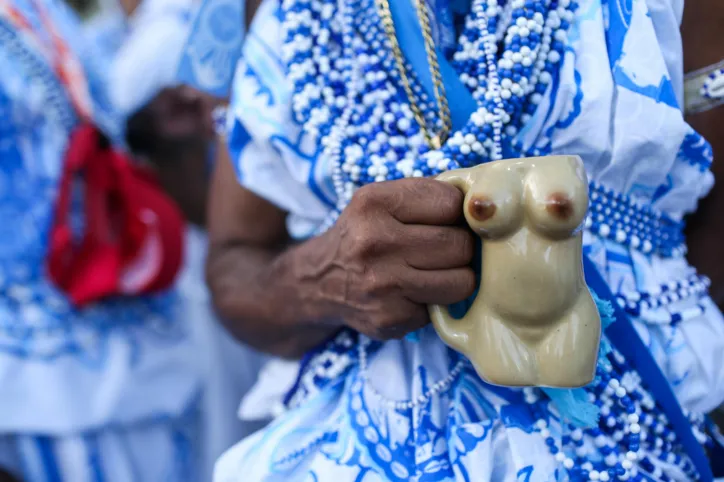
<point>704,88</point>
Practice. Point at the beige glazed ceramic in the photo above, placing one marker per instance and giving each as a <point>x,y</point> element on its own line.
<point>533,322</point>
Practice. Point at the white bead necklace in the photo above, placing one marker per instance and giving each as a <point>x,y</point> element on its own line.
<point>347,92</point>
<point>436,388</point>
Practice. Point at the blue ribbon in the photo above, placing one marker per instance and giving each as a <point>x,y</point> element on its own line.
<point>622,334</point>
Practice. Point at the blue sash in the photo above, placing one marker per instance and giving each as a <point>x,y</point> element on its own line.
<point>622,333</point>
<point>624,337</point>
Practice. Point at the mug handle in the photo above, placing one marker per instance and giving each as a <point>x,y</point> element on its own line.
<point>447,327</point>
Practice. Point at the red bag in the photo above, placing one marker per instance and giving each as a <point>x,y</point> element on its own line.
<point>133,236</point>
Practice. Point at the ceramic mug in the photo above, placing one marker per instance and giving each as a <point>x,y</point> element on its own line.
<point>533,321</point>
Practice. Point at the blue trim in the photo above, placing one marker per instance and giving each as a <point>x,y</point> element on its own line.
<point>183,454</point>
<point>263,89</point>
<point>304,363</point>
<point>577,101</point>
<point>268,49</point>
<point>277,140</point>
<point>312,182</point>
<point>47,456</point>
<point>94,458</point>
<point>238,139</point>
<point>662,93</point>
<point>696,151</point>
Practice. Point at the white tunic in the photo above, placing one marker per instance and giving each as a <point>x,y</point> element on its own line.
<point>617,106</point>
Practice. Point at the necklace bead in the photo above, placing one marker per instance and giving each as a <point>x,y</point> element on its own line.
<point>347,95</point>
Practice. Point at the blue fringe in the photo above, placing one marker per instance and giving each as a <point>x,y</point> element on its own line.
<point>572,404</point>
<point>413,336</point>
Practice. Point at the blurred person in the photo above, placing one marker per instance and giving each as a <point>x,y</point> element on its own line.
<point>355,242</point>
<point>208,64</point>
<point>98,372</point>
<point>172,128</point>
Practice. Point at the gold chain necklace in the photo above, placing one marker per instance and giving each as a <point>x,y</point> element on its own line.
<point>433,140</point>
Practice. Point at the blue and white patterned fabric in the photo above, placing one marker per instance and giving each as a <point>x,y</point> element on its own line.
<point>124,363</point>
<point>149,451</point>
<point>413,409</point>
<point>107,30</point>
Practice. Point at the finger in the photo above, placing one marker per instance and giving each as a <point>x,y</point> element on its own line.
<point>424,201</point>
<point>440,287</point>
<point>188,93</point>
<point>437,248</point>
<point>415,317</point>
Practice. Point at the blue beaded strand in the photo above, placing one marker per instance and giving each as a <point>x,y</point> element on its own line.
<point>347,94</point>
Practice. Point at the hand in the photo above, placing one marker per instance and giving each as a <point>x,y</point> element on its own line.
<point>398,247</point>
<point>176,123</point>
<point>183,113</point>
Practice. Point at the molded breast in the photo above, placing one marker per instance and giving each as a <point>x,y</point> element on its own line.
<point>493,205</point>
<point>556,195</point>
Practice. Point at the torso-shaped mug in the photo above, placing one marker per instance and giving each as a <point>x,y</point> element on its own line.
<point>533,321</point>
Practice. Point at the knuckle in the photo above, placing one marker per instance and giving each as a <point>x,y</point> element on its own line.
<point>415,188</point>
<point>420,192</point>
<point>365,198</point>
<point>365,246</point>
<point>408,195</point>
<point>446,196</point>
<point>358,239</point>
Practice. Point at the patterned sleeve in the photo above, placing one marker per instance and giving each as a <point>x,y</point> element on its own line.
<point>146,61</point>
<point>272,156</point>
